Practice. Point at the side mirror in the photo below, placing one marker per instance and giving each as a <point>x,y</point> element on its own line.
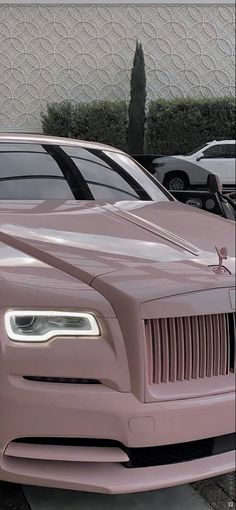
<point>213,184</point>
<point>194,203</point>
<point>200,156</point>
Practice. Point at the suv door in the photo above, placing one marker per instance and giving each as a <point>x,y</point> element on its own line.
<point>220,160</point>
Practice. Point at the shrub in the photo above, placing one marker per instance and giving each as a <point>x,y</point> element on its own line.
<point>57,119</point>
<point>80,121</point>
<point>106,122</point>
<point>178,126</point>
<point>102,121</point>
<point>137,112</point>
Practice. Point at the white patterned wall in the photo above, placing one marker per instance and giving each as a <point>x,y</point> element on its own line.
<point>85,52</point>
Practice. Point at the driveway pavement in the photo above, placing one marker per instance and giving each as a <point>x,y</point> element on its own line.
<point>213,494</point>
<point>177,498</point>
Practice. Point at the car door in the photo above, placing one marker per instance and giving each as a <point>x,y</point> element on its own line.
<point>220,160</point>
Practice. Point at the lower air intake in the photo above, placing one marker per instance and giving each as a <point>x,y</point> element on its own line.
<point>61,380</point>
<point>181,452</point>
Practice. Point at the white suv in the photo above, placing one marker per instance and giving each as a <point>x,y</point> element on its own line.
<point>192,169</point>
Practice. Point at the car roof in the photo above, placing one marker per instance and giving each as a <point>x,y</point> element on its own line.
<point>54,140</point>
<point>222,142</point>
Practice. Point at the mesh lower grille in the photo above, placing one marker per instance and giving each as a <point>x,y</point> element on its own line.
<point>182,452</point>
<point>185,348</point>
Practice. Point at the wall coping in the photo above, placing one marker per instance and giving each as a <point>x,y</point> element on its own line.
<point>115,2</point>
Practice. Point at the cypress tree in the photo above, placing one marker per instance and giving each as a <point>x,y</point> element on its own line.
<point>137,116</point>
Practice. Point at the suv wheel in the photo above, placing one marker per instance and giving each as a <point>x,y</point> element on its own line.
<point>176,181</point>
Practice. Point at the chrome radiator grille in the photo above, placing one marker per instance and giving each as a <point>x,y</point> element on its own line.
<point>185,348</point>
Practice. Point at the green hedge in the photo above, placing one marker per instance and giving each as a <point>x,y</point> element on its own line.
<point>173,126</point>
<point>178,126</point>
<point>102,121</point>
<point>57,119</point>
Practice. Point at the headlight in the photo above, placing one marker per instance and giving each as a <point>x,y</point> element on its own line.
<point>159,165</point>
<point>41,326</point>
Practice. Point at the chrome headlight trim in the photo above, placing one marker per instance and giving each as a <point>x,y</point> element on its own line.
<point>17,333</point>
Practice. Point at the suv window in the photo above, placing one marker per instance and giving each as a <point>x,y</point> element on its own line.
<point>220,151</point>
<point>230,150</point>
<point>37,172</point>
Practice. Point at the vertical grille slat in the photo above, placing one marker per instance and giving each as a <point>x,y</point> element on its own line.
<point>157,351</point>
<point>151,354</point>
<point>227,341</point>
<point>209,336</point>
<point>234,346</point>
<point>195,348</point>
<point>203,343</point>
<point>186,348</point>
<point>180,349</point>
<point>165,350</point>
<point>216,341</point>
<point>223,345</point>
<point>173,350</point>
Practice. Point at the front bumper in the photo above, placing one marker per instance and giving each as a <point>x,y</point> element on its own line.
<point>44,410</point>
<point>114,478</point>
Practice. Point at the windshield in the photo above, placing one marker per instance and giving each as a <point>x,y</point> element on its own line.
<point>33,171</point>
<point>195,150</point>
<point>145,180</point>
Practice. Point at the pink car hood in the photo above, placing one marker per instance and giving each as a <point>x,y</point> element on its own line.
<point>127,245</point>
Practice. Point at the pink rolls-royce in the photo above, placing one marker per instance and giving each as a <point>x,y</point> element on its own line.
<point>117,324</point>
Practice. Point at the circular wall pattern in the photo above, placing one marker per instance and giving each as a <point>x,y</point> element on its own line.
<point>85,52</point>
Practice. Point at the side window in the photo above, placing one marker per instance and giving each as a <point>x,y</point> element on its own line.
<point>220,151</point>
<point>216,151</point>
<point>104,181</point>
<point>30,172</point>
<point>230,150</point>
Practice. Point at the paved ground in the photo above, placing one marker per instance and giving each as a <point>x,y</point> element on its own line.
<point>177,498</point>
<point>213,494</point>
<point>12,497</point>
<point>220,492</point>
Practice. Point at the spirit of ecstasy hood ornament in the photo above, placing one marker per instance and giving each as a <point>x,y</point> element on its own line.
<point>223,255</point>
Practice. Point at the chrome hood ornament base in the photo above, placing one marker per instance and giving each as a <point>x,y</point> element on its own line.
<point>223,255</point>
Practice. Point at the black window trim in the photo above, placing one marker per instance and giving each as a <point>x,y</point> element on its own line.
<point>26,177</point>
<point>65,163</point>
<point>145,171</point>
<point>112,166</point>
<point>123,173</point>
